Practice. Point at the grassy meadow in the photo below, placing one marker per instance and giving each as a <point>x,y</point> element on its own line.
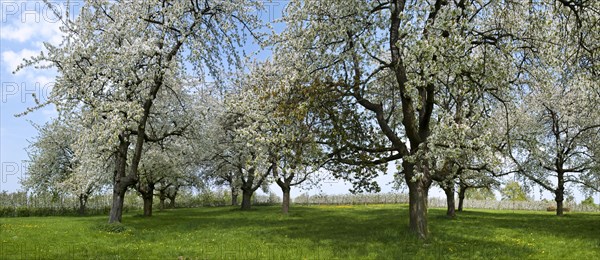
<point>308,232</point>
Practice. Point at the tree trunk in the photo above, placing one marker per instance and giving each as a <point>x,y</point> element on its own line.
<point>285,188</point>
<point>162,203</point>
<point>449,190</point>
<point>417,203</point>
<point>246,196</point>
<point>560,194</point>
<point>82,204</point>
<point>461,197</point>
<point>148,205</point>
<point>172,202</point>
<point>234,196</point>
<point>285,209</point>
<point>172,195</point>
<point>120,182</point>
<point>116,210</point>
<point>559,206</point>
<point>147,192</point>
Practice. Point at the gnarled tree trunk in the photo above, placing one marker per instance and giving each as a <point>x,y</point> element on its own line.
<point>120,182</point>
<point>116,210</point>
<point>418,192</point>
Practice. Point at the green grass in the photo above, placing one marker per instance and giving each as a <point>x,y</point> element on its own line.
<point>327,232</point>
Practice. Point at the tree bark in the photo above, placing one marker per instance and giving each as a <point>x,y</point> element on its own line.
<point>116,210</point>
<point>147,192</point>
<point>82,204</point>
<point>162,203</point>
<point>559,194</point>
<point>234,196</point>
<point>285,207</point>
<point>449,190</point>
<point>461,197</point>
<point>172,196</point>
<point>172,202</point>
<point>285,186</point>
<point>120,182</point>
<point>246,197</point>
<point>162,197</point>
<point>417,201</point>
<point>148,205</point>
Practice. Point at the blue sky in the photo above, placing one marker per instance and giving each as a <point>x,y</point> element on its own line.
<point>24,26</point>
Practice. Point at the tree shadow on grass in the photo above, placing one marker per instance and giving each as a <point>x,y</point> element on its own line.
<point>570,226</point>
<point>355,232</point>
<point>347,232</point>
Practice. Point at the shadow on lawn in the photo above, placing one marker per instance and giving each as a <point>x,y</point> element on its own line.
<point>570,226</point>
<point>381,232</point>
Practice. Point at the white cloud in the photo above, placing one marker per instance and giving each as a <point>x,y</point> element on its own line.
<point>33,32</point>
<point>29,21</point>
<point>18,33</point>
<point>13,59</point>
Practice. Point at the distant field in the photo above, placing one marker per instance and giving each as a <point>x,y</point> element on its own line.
<point>315,232</point>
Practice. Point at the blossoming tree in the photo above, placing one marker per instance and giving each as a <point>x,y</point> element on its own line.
<point>117,58</point>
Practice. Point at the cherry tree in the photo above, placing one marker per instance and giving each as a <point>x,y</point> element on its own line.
<point>224,174</point>
<point>472,180</point>
<point>58,167</point>
<point>553,123</point>
<point>234,151</point>
<point>117,58</point>
<point>159,164</point>
<point>290,140</point>
<point>551,130</point>
<point>51,158</point>
<point>380,71</point>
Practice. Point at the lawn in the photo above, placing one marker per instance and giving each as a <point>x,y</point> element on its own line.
<point>317,232</point>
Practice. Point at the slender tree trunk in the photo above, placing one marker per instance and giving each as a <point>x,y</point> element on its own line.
<point>417,201</point>
<point>246,197</point>
<point>461,196</point>
<point>234,196</point>
<point>560,194</point>
<point>449,190</point>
